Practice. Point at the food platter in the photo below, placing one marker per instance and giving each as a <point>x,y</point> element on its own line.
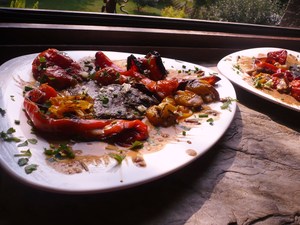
<point>101,177</point>
<point>228,67</point>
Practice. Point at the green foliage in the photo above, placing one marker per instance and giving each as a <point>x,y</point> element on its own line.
<point>22,4</point>
<point>142,3</point>
<point>266,12</point>
<point>36,5</point>
<point>18,4</point>
<point>171,12</point>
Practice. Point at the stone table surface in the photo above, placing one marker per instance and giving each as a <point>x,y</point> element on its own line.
<point>250,176</point>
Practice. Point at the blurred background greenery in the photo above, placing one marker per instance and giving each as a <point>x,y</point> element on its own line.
<point>267,12</point>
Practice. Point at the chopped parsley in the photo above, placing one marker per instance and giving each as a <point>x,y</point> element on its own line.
<point>61,151</point>
<point>210,121</point>
<point>8,135</point>
<point>203,115</point>
<point>25,153</point>
<point>23,161</point>
<point>104,99</point>
<point>32,141</point>
<point>118,157</point>
<point>30,168</point>
<point>227,102</point>
<point>137,145</point>
<point>27,88</point>
<point>23,144</point>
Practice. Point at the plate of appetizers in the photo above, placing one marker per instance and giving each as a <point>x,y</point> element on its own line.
<point>99,121</point>
<point>270,73</point>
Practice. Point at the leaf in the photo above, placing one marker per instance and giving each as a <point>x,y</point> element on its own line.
<point>24,153</point>
<point>137,145</point>
<point>23,161</point>
<point>25,143</point>
<point>210,121</point>
<point>32,141</point>
<point>118,157</point>
<point>30,168</point>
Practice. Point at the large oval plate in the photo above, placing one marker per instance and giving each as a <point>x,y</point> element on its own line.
<point>228,67</point>
<point>106,177</point>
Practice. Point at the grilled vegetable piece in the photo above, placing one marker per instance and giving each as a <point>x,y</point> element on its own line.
<point>295,89</point>
<point>277,57</point>
<point>151,65</point>
<point>56,68</point>
<point>167,113</point>
<point>203,89</point>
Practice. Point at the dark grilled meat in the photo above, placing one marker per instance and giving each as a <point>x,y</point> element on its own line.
<point>115,100</point>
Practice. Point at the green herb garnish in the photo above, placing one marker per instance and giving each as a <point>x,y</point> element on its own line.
<point>60,152</point>
<point>226,104</point>
<point>104,99</point>
<point>210,121</point>
<point>32,141</point>
<point>27,88</point>
<point>23,161</point>
<point>137,145</point>
<point>25,143</point>
<point>25,153</point>
<point>30,168</point>
<point>8,135</point>
<point>118,157</point>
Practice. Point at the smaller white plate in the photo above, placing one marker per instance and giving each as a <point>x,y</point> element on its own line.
<point>227,66</point>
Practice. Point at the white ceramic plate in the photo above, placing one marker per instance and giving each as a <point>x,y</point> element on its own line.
<point>106,177</point>
<point>227,66</point>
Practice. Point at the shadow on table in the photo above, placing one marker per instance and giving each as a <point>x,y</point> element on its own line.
<point>173,199</point>
<point>277,113</point>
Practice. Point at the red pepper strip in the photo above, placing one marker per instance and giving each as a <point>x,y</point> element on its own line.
<point>268,66</point>
<point>53,67</point>
<point>162,88</point>
<point>103,61</point>
<point>123,131</point>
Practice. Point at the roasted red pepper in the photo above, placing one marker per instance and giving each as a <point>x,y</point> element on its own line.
<point>57,69</point>
<point>151,66</point>
<point>263,65</point>
<point>277,56</point>
<point>295,89</point>
<point>112,73</point>
<point>121,131</point>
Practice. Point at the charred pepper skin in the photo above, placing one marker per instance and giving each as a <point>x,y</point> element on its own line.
<point>151,66</point>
